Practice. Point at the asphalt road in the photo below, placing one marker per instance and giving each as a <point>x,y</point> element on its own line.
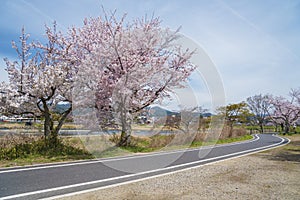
<point>43,181</point>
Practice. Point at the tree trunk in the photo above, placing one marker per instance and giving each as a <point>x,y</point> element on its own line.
<point>51,133</point>
<point>262,128</point>
<point>125,138</point>
<point>282,126</point>
<point>230,129</point>
<point>125,118</point>
<point>287,128</point>
<point>48,123</point>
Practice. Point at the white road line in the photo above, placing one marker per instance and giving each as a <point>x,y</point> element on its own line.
<point>155,176</point>
<point>146,172</point>
<point>126,157</point>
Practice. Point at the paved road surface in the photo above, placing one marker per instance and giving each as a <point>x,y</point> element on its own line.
<point>42,181</point>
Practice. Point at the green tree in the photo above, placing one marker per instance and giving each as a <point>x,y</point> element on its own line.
<point>234,113</point>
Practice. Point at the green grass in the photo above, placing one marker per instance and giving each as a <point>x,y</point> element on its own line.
<point>112,152</point>
<point>292,131</point>
<point>142,148</point>
<point>38,159</point>
<point>221,141</point>
<point>138,149</point>
<point>38,152</point>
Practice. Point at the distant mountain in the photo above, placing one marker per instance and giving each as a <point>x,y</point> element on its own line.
<point>158,111</point>
<point>61,107</point>
<point>207,114</point>
<point>161,112</point>
<point>153,111</point>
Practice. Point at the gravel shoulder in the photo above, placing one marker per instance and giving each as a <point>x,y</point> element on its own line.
<point>273,174</point>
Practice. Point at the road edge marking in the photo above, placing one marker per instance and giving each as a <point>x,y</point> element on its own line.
<point>251,151</point>
<point>164,174</point>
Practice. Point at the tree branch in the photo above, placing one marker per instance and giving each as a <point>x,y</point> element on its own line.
<point>62,119</point>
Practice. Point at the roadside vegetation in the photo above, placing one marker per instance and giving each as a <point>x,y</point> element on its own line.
<point>27,148</point>
<point>272,129</point>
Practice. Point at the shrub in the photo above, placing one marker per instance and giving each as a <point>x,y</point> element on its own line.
<point>22,146</point>
<point>159,140</point>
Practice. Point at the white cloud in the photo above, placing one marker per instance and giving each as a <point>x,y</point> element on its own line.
<point>3,73</point>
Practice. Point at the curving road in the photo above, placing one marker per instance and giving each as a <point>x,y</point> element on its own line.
<point>44,181</point>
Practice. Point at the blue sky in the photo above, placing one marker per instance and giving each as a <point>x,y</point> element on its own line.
<point>254,44</point>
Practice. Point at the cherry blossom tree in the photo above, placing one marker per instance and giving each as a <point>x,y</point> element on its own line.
<point>286,111</point>
<point>113,67</point>
<point>259,105</point>
<point>129,66</point>
<point>39,80</point>
<point>295,93</point>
